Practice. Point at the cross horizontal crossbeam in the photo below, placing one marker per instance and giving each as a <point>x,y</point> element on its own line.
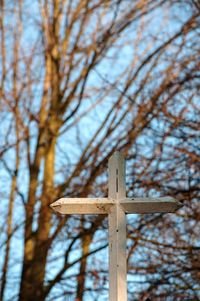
<point>103,205</point>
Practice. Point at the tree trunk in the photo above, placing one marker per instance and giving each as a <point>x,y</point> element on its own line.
<point>37,245</point>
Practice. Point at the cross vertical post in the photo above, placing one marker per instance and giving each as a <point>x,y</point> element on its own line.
<point>117,230</point>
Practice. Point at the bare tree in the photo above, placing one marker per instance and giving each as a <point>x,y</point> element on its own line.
<point>80,79</point>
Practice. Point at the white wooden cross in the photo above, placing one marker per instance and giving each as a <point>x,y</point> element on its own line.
<point>117,205</point>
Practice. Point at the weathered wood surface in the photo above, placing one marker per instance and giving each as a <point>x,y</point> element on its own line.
<point>150,205</point>
<point>83,205</point>
<point>117,230</point>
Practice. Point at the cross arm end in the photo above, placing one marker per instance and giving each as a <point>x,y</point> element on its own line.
<point>150,205</point>
<point>82,205</point>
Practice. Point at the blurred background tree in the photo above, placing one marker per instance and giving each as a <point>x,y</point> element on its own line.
<point>79,80</point>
